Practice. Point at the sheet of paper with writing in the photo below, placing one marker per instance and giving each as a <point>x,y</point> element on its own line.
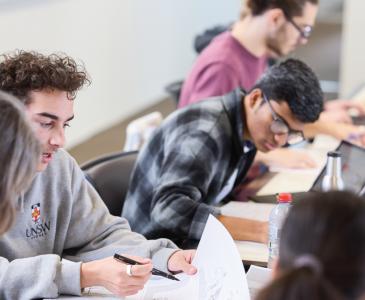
<point>221,273</point>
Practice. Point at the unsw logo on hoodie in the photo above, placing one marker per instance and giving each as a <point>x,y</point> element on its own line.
<point>40,227</point>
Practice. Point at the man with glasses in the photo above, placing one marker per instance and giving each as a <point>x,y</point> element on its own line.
<point>202,152</point>
<point>238,57</point>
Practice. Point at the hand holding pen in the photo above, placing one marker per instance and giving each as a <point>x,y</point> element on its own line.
<point>110,274</point>
<point>130,262</point>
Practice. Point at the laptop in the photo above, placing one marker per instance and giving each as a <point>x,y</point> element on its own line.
<point>353,174</point>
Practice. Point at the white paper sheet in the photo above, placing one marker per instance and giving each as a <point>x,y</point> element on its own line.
<point>221,273</point>
<point>257,278</point>
<point>253,252</point>
<point>248,210</point>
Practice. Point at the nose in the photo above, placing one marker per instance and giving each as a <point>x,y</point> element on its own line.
<point>280,139</point>
<point>58,138</point>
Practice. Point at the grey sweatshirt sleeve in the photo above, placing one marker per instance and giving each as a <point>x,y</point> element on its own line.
<point>93,233</point>
<point>38,277</point>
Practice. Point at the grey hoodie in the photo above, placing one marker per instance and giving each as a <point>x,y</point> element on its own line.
<point>63,222</point>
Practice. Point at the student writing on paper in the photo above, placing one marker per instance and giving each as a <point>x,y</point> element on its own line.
<point>19,152</point>
<point>322,250</point>
<point>202,152</point>
<point>64,237</point>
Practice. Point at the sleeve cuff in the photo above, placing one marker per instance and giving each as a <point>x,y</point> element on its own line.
<point>161,257</point>
<point>68,280</point>
<point>200,219</point>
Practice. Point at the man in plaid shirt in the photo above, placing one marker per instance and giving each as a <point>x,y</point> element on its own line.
<point>202,152</point>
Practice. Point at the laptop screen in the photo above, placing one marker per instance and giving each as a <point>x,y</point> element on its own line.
<point>353,168</point>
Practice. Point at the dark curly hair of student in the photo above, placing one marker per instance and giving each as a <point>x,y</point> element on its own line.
<point>294,82</point>
<point>322,250</point>
<point>22,72</point>
<point>291,8</point>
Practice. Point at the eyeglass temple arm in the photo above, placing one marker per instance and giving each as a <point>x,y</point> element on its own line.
<point>270,107</point>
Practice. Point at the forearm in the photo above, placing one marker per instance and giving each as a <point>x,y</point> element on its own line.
<point>245,229</point>
<point>318,127</point>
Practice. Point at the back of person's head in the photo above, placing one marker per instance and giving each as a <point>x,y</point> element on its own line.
<point>291,8</point>
<point>322,250</point>
<point>19,156</point>
<point>22,72</point>
<point>294,82</point>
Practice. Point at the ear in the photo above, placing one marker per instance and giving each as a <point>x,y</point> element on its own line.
<point>275,17</point>
<point>253,99</point>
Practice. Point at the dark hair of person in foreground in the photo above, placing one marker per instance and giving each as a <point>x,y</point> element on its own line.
<point>322,250</point>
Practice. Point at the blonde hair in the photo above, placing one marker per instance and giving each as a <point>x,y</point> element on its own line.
<point>19,156</point>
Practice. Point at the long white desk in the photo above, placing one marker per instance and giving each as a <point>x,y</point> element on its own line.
<point>256,278</point>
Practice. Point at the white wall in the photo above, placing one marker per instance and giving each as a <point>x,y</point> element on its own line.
<point>131,48</point>
<point>353,47</point>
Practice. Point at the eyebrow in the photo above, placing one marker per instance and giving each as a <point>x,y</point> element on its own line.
<point>53,117</point>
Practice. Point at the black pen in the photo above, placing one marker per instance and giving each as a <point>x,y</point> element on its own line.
<point>154,271</point>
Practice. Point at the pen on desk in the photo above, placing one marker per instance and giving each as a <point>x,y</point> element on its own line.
<point>154,271</point>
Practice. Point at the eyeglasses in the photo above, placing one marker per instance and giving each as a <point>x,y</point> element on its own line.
<point>280,126</point>
<point>305,32</point>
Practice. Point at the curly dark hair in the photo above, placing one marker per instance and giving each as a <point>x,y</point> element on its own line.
<point>295,83</point>
<point>290,7</point>
<point>22,72</point>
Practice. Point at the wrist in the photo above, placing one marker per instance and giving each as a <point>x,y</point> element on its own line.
<point>89,274</point>
<point>264,232</point>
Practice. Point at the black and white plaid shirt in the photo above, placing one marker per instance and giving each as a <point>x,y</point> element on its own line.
<point>185,165</point>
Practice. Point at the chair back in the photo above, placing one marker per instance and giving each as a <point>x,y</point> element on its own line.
<point>110,175</point>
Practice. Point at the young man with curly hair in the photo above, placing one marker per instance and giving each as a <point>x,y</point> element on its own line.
<point>202,152</point>
<point>64,237</point>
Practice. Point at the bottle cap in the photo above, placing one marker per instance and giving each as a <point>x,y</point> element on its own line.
<point>334,154</point>
<point>284,198</point>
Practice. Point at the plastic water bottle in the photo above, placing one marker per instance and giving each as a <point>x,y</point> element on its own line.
<point>276,220</point>
<point>333,178</point>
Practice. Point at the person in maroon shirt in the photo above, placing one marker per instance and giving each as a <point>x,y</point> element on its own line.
<point>238,57</point>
